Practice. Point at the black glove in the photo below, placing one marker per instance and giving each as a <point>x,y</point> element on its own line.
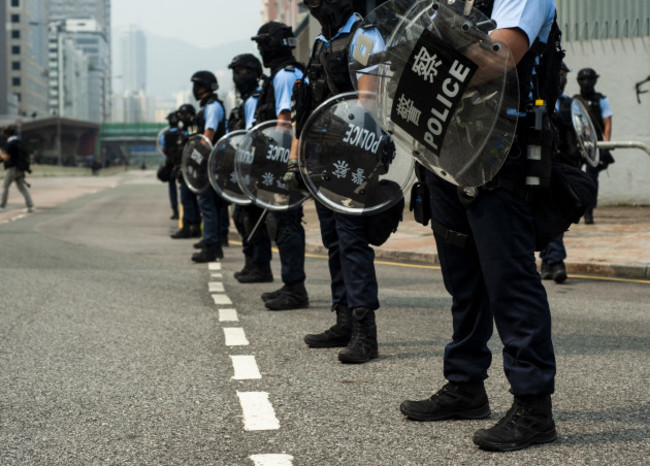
<point>292,177</point>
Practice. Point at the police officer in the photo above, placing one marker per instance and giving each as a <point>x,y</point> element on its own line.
<point>211,122</point>
<point>275,42</point>
<point>601,116</point>
<point>246,72</point>
<point>191,220</point>
<point>351,259</point>
<point>172,149</point>
<point>554,253</point>
<point>15,157</point>
<point>492,277</point>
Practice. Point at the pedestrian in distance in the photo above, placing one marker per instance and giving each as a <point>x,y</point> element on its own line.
<point>16,162</point>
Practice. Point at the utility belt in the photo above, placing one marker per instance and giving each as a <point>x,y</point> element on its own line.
<point>526,174</point>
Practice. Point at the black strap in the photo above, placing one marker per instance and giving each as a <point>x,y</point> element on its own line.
<point>454,238</point>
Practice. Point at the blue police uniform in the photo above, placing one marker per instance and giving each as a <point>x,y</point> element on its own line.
<point>214,115</point>
<point>290,236</point>
<point>593,172</point>
<point>494,278</point>
<point>350,257</point>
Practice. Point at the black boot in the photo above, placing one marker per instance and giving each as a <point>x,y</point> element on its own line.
<point>529,421</point>
<point>209,253</point>
<point>259,273</point>
<point>338,334</point>
<point>195,230</point>
<point>273,294</point>
<point>559,272</point>
<point>294,297</point>
<point>589,217</point>
<point>183,233</point>
<point>363,342</point>
<point>248,265</point>
<point>174,215</point>
<point>198,245</point>
<point>453,401</point>
<point>546,271</point>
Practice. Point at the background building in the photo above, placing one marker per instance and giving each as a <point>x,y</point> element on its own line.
<point>23,59</point>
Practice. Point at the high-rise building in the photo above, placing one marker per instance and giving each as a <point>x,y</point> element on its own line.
<point>88,24</point>
<point>74,43</point>
<point>133,60</point>
<point>23,58</point>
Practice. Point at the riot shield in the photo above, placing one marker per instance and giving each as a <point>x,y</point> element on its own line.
<point>261,163</point>
<point>221,168</point>
<point>444,88</point>
<point>347,162</point>
<point>585,132</point>
<point>159,140</point>
<point>194,163</point>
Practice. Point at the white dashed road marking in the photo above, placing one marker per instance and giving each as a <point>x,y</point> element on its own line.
<point>272,460</point>
<point>228,315</point>
<point>245,368</point>
<point>258,412</point>
<point>235,336</point>
<point>220,299</point>
<point>214,266</point>
<point>215,287</point>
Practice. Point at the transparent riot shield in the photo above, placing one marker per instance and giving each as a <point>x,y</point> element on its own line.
<point>445,90</point>
<point>347,162</point>
<point>585,133</point>
<point>221,168</point>
<point>194,163</point>
<point>159,140</point>
<point>260,165</point>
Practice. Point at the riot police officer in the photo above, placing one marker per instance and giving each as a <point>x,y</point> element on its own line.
<point>191,220</point>
<point>246,73</point>
<point>554,253</point>
<point>601,115</point>
<point>211,122</point>
<point>169,143</point>
<point>351,259</point>
<point>275,42</point>
<point>492,275</point>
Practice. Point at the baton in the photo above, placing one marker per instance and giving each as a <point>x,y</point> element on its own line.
<point>257,225</point>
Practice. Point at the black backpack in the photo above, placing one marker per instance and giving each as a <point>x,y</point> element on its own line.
<point>22,157</point>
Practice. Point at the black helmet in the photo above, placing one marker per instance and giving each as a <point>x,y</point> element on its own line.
<point>172,118</point>
<point>203,81</point>
<point>247,60</point>
<point>187,109</point>
<point>274,41</point>
<point>587,74</point>
<point>331,14</point>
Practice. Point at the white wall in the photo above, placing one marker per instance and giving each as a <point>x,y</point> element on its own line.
<point>620,63</point>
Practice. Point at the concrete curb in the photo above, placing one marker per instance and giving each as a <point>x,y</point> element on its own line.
<point>641,272</point>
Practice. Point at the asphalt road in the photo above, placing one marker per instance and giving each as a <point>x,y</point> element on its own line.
<point>113,351</point>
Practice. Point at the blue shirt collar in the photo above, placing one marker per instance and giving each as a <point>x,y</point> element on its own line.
<point>345,29</point>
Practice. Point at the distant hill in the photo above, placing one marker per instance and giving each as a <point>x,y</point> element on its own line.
<point>171,63</point>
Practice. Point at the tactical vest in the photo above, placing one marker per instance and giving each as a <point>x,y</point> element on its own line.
<point>237,118</point>
<point>174,142</point>
<point>200,118</point>
<point>328,69</point>
<point>595,111</point>
<point>266,103</point>
<point>568,151</point>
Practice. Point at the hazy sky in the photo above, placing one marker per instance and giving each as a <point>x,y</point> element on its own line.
<point>203,23</point>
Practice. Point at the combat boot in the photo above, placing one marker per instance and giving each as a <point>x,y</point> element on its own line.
<point>294,296</point>
<point>363,341</point>
<point>559,272</point>
<point>529,421</point>
<point>453,401</point>
<point>258,273</point>
<point>209,253</point>
<point>273,294</point>
<point>199,245</point>
<point>195,230</point>
<point>546,270</point>
<point>248,265</point>
<point>183,233</point>
<point>338,334</point>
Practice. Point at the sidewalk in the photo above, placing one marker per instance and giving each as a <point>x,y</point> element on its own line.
<point>616,245</point>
